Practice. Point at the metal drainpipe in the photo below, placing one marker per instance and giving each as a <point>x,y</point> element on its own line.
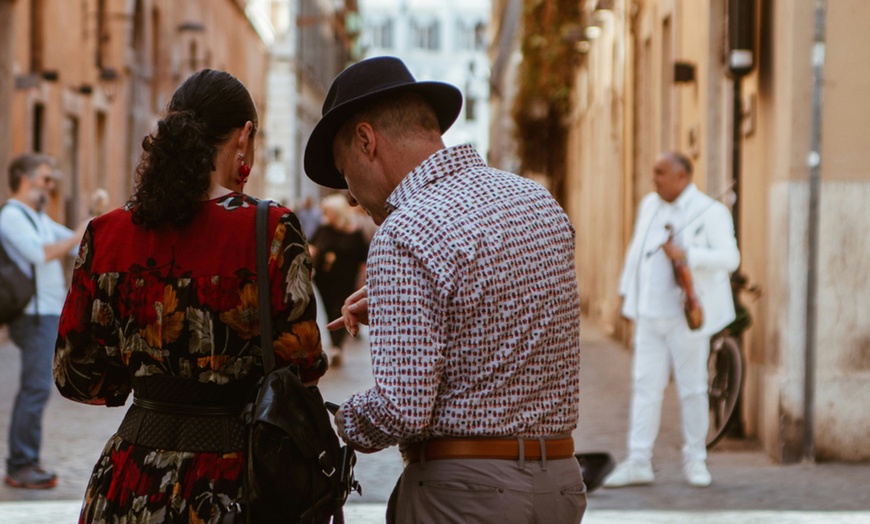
<point>736,141</point>
<point>814,161</point>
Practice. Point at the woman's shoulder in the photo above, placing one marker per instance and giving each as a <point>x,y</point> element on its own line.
<point>120,217</point>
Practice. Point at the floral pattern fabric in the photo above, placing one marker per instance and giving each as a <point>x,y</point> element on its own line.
<point>180,303</point>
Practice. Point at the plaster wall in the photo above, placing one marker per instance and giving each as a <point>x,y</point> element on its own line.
<point>618,128</point>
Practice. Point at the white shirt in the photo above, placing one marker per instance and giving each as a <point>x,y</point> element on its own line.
<point>26,247</point>
<point>659,295</point>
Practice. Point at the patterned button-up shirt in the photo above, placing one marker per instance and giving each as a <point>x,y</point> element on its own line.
<point>474,310</point>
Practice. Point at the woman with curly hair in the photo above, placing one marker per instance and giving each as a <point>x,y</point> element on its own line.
<point>163,304</point>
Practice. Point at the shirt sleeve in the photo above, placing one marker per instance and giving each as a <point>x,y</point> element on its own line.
<point>61,232</point>
<point>629,265</point>
<point>20,234</point>
<point>407,351</point>
<point>720,252</point>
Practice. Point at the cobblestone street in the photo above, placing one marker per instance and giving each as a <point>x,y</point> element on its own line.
<point>747,486</point>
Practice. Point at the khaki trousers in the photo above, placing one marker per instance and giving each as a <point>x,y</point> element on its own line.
<point>489,491</point>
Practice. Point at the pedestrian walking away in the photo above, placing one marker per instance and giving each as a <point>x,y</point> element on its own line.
<point>309,216</point>
<point>38,245</point>
<point>472,304</point>
<point>338,250</point>
<point>675,287</point>
<point>164,305</point>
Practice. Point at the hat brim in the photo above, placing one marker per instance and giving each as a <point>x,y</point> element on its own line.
<point>445,99</point>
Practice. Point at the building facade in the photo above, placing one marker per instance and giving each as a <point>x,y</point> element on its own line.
<point>310,42</point>
<point>438,40</point>
<point>85,82</point>
<point>657,75</point>
<point>505,56</point>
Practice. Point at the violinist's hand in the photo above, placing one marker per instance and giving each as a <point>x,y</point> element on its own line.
<point>354,312</point>
<point>673,251</point>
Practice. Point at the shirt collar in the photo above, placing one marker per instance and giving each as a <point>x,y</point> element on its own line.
<point>683,200</point>
<point>440,164</point>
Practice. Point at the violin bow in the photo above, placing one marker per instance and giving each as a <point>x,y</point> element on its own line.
<point>699,214</point>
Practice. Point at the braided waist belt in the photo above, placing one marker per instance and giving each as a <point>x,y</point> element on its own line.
<point>163,426</point>
<point>507,448</point>
<point>210,423</point>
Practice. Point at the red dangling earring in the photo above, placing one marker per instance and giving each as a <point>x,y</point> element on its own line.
<point>244,172</point>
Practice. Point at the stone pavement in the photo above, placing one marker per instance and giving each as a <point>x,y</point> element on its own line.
<point>747,486</point>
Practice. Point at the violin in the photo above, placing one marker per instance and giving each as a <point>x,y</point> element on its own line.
<point>683,276</point>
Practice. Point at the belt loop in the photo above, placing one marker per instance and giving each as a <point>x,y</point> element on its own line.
<point>423,453</point>
<point>522,444</point>
<point>543,444</point>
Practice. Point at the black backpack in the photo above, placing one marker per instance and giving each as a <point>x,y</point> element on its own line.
<point>296,470</point>
<point>16,288</point>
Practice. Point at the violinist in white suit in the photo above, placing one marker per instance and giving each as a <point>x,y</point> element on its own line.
<point>675,224</point>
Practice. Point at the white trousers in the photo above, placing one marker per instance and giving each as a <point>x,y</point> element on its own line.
<point>660,345</point>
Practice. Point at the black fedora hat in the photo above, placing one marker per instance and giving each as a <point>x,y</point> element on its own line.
<point>349,92</point>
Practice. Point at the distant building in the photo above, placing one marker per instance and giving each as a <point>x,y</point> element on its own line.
<point>505,57</point>
<point>85,81</point>
<point>442,40</point>
<point>310,42</point>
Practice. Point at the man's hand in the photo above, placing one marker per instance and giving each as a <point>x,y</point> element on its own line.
<point>673,252</point>
<point>354,312</point>
<point>339,428</point>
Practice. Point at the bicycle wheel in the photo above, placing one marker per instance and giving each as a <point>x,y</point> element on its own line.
<point>724,383</point>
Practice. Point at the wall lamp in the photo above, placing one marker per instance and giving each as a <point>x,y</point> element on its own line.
<point>684,72</point>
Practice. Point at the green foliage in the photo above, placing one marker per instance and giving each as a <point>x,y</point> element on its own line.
<point>543,104</point>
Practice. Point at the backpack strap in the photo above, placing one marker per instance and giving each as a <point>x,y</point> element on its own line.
<point>32,266</point>
<point>263,293</point>
<point>261,232</point>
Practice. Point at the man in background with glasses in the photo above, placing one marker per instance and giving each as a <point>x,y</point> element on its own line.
<point>38,245</point>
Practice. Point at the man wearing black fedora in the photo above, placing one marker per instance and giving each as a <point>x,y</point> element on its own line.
<point>472,305</point>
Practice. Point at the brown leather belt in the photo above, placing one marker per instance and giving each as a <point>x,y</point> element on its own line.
<point>488,448</point>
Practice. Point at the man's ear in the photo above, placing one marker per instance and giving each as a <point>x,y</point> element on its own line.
<point>366,140</point>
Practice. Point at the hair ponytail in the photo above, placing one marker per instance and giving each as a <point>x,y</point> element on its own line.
<point>174,172</point>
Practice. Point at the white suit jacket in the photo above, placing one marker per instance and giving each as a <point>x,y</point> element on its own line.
<point>707,235</point>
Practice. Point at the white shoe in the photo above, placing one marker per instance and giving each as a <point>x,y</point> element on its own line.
<point>630,474</point>
<point>696,474</point>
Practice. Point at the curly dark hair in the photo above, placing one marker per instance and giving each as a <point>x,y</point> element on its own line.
<point>173,174</point>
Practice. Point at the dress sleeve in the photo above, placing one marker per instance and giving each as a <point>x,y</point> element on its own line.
<point>296,337</point>
<point>87,366</point>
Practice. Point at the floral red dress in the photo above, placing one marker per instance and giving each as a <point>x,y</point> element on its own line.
<point>178,303</point>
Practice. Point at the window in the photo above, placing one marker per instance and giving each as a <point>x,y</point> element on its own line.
<point>472,36</point>
<point>425,35</point>
<point>37,36</point>
<point>382,34</point>
<point>480,36</point>
<point>470,109</point>
<point>38,123</point>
